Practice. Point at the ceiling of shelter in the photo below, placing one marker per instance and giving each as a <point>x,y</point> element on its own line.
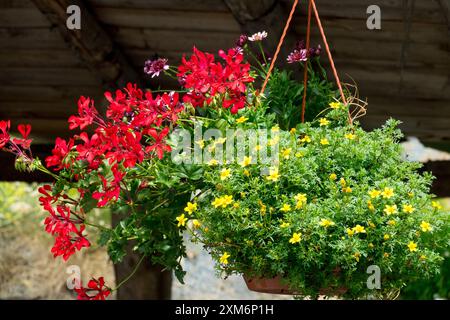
<point>402,69</point>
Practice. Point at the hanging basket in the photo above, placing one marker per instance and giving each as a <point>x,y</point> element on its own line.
<point>276,285</point>
<point>268,285</point>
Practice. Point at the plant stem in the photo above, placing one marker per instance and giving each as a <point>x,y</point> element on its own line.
<point>45,170</point>
<point>130,275</point>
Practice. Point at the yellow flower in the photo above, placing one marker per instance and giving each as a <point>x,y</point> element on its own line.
<point>224,258</point>
<point>246,161</point>
<point>273,174</point>
<point>392,222</point>
<point>386,237</point>
<point>374,193</point>
<point>301,200</point>
<point>324,122</point>
<point>299,154</point>
<point>343,182</point>
<point>273,141</point>
<point>200,143</point>
<point>227,200</point>
<point>387,193</point>
<point>371,224</point>
<point>225,173</point>
<point>347,190</point>
<point>350,232</point>
<point>357,255</point>
<point>286,208</point>
<point>407,208</point>
<point>241,119</point>
<point>257,147</point>
<point>211,147</point>
<point>370,205</point>
<point>236,205</point>
<point>181,220</point>
<point>350,136</point>
<point>213,162</point>
<point>390,209</point>
<point>305,139</point>
<point>326,223</point>
<point>293,131</point>
<point>359,229</point>
<point>296,237</point>
<point>246,173</point>
<point>436,205</point>
<point>190,207</point>
<point>222,201</point>
<point>285,153</point>
<point>324,142</point>
<point>386,255</point>
<point>371,245</point>
<point>262,208</point>
<point>335,105</point>
<point>422,257</point>
<point>425,226</point>
<point>285,225</point>
<point>275,128</point>
<point>333,176</point>
<point>220,141</point>
<point>412,246</point>
<point>196,224</point>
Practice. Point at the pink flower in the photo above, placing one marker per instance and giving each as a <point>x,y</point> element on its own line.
<point>258,36</point>
<point>297,56</point>
<point>154,67</point>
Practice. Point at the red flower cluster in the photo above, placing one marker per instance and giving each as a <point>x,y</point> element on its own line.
<point>62,224</point>
<point>94,286</point>
<point>135,128</point>
<point>205,78</point>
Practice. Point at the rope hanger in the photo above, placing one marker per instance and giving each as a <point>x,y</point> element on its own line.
<point>311,7</point>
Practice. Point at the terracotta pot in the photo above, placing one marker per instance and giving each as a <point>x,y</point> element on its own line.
<point>275,286</point>
<point>265,285</point>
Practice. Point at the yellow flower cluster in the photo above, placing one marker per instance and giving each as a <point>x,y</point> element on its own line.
<point>301,200</point>
<point>355,230</point>
<point>222,202</point>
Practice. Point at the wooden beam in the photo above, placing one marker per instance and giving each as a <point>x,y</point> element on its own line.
<point>92,44</point>
<point>268,15</point>
<point>441,170</point>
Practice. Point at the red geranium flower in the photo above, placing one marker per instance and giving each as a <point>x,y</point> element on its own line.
<point>4,135</point>
<point>159,145</point>
<point>94,286</point>
<point>87,114</point>
<point>59,152</point>
<point>24,130</point>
